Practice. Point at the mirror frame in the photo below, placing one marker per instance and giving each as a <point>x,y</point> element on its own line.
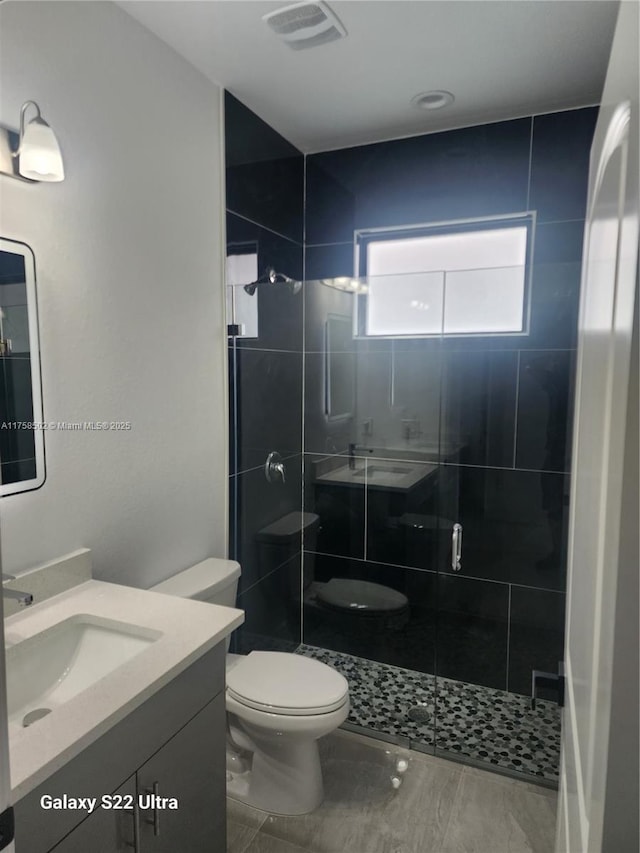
<point>16,247</point>
<point>331,416</point>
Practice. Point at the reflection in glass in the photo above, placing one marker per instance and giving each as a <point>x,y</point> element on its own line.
<point>339,367</point>
<point>21,446</point>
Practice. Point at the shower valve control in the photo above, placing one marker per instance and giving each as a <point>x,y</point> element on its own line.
<point>274,468</point>
<point>456,548</point>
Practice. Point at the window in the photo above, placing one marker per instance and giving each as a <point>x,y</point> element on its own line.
<point>466,278</point>
<point>242,307</point>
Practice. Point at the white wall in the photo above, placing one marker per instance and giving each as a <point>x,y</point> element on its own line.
<point>128,260</point>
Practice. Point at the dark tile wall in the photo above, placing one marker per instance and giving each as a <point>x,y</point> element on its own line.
<point>502,407</point>
<point>265,192</point>
<point>476,171</point>
<point>405,637</point>
<point>264,172</point>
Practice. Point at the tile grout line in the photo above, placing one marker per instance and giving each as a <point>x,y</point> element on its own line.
<point>268,575</point>
<point>413,459</point>
<point>435,572</point>
<point>251,470</point>
<point>381,352</point>
<point>264,227</point>
<point>506,687</point>
<point>515,422</point>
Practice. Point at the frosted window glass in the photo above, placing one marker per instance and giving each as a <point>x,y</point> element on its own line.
<point>405,304</point>
<point>475,279</point>
<point>484,301</point>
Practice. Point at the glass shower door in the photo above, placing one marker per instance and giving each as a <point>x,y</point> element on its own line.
<point>371,451</point>
<point>497,607</point>
<point>433,545</point>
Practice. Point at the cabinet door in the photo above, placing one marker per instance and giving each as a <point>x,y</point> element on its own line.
<point>103,831</point>
<point>191,769</point>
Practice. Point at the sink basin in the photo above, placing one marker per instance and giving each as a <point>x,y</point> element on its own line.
<point>48,669</point>
<point>383,471</point>
<point>392,475</point>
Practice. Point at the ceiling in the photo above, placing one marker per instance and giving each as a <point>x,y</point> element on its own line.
<point>501,59</point>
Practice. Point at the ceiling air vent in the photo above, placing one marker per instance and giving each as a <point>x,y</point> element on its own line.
<point>304,25</point>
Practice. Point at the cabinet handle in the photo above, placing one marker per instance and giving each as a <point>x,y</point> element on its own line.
<point>456,547</point>
<point>135,814</point>
<point>155,821</point>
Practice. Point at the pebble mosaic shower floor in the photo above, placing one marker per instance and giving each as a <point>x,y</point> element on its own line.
<point>476,722</point>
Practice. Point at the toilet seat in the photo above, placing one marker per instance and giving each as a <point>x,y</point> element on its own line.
<point>287,684</point>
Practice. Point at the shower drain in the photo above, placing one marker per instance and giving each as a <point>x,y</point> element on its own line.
<point>419,714</point>
<point>32,716</point>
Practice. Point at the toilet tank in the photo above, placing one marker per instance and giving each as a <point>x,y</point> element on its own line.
<point>281,540</point>
<point>213,580</point>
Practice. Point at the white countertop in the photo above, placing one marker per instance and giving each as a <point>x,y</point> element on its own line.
<point>189,629</point>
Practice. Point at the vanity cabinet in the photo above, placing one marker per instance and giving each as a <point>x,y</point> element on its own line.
<point>172,745</point>
<point>103,831</point>
<point>191,768</point>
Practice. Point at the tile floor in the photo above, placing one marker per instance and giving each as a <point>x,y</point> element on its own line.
<point>440,807</point>
<point>466,720</point>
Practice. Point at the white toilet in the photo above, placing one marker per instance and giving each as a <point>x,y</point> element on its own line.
<point>278,705</point>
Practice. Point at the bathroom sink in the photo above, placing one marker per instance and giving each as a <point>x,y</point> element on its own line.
<point>81,660</point>
<point>386,472</point>
<point>51,667</point>
<point>379,474</point>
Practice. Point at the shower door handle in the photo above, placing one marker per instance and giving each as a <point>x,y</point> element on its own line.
<point>456,548</point>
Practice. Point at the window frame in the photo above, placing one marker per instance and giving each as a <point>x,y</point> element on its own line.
<point>364,237</point>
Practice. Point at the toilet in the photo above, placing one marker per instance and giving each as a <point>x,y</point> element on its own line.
<point>345,598</point>
<point>278,705</point>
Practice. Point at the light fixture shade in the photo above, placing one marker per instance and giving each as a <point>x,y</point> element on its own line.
<point>40,156</point>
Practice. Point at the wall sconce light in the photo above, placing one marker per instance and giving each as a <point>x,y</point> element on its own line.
<point>33,154</point>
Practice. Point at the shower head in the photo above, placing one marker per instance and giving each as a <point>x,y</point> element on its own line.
<point>272,277</point>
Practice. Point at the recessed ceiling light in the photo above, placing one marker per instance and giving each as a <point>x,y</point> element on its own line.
<point>434,100</point>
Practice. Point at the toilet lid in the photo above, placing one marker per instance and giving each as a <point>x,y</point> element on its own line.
<point>286,683</point>
<point>360,596</point>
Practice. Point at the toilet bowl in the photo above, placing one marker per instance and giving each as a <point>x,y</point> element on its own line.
<point>361,597</point>
<point>278,705</point>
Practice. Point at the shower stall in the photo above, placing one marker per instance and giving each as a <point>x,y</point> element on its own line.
<point>413,546</point>
<point>411,529</point>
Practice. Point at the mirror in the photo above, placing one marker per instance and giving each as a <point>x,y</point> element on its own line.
<point>22,465</point>
<point>340,368</point>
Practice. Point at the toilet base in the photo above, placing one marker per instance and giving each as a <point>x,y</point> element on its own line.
<point>284,779</point>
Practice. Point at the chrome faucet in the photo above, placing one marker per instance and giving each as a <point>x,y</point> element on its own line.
<point>24,599</point>
<point>352,454</point>
<point>410,428</point>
